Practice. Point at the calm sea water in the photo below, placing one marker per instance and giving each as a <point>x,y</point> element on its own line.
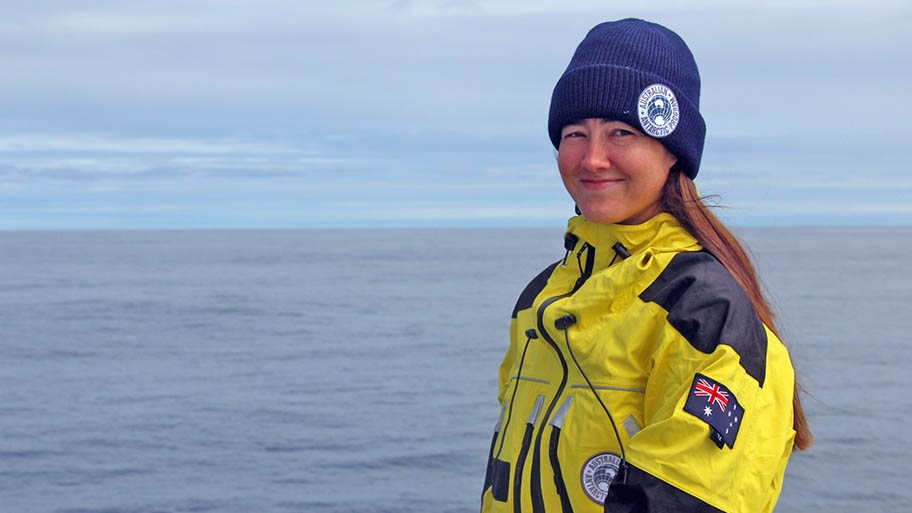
<point>354,371</point>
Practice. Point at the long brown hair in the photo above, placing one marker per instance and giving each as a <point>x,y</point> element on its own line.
<point>680,199</point>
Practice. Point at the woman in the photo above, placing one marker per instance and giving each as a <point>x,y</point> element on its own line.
<point>644,372</point>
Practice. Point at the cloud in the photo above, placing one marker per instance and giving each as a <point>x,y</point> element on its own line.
<point>415,104</point>
<point>282,65</point>
<point>99,143</point>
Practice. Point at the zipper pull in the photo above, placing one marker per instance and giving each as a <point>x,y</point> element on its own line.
<point>570,241</point>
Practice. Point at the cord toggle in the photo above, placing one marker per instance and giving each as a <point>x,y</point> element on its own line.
<point>565,321</point>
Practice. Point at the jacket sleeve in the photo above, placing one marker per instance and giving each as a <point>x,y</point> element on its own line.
<point>718,406</point>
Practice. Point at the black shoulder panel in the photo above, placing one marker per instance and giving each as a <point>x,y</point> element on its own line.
<point>708,307</point>
<point>642,492</point>
<point>532,289</point>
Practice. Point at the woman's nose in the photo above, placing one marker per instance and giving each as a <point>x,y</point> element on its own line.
<point>597,156</point>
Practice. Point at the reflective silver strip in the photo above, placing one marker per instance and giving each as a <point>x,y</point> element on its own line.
<point>622,389</point>
<point>630,424</point>
<point>558,419</point>
<point>536,410</point>
<point>532,379</point>
<point>503,413</point>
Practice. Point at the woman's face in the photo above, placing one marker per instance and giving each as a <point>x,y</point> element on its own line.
<point>614,172</point>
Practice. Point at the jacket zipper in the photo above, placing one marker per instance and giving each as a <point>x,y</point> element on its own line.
<point>557,423</point>
<point>538,504</point>
<point>489,472</point>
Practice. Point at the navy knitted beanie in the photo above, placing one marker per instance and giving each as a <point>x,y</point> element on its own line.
<point>640,73</point>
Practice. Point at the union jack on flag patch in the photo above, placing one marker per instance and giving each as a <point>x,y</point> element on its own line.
<point>715,393</point>
<point>713,403</point>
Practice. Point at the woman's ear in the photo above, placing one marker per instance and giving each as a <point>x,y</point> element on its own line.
<point>671,159</point>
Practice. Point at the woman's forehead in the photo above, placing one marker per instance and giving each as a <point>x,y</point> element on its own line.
<point>584,121</point>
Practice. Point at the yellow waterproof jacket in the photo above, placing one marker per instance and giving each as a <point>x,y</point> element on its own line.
<point>639,378</point>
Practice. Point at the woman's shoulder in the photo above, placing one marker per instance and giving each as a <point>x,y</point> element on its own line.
<point>533,288</point>
<point>708,307</point>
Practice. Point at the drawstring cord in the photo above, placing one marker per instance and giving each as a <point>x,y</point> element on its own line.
<point>613,259</point>
<point>570,241</point>
<point>579,258</point>
<point>530,335</point>
<point>563,324</point>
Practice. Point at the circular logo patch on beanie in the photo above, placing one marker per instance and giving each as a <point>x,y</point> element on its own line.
<point>597,474</point>
<point>658,110</point>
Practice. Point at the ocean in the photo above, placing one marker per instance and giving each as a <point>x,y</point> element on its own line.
<point>349,371</point>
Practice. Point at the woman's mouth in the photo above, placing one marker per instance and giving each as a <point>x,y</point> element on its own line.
<point>594,184</point>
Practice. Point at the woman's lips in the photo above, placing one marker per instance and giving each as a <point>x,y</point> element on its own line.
<point>600,183</point>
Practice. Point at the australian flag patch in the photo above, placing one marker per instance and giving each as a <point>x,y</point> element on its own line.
<point>713,403</point>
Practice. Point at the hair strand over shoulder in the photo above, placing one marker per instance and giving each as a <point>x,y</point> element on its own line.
<point>680,199</point>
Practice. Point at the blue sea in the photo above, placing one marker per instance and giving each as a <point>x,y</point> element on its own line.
<point>355,371</point>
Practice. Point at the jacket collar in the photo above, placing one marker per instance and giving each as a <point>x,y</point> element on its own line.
<point>662,233</point>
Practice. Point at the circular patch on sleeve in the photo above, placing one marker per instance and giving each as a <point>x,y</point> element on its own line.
<point>658,110</point>
<point>597,474</point>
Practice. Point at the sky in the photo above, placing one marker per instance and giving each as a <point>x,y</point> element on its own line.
<point>398,113</point>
